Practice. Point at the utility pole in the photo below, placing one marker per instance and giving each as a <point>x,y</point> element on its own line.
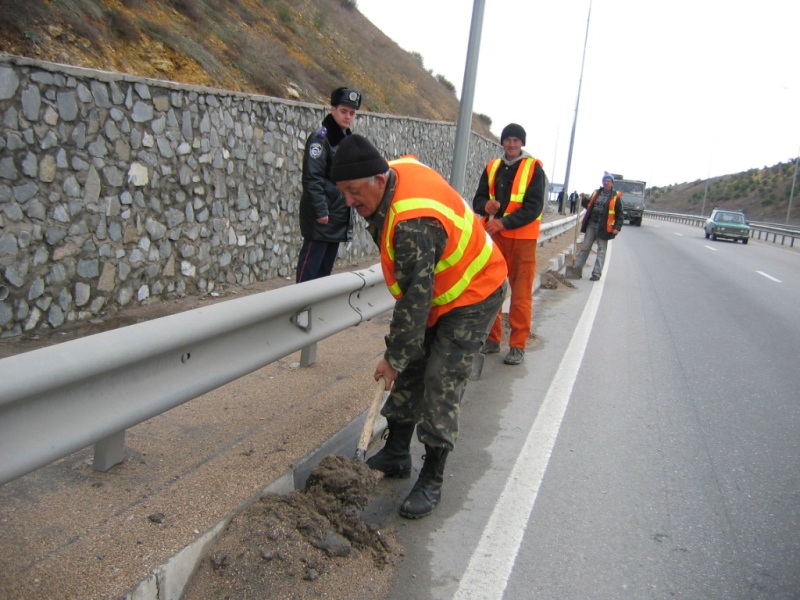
<point>794,180</point>
<point>464,127</point>
<point>708,177</point>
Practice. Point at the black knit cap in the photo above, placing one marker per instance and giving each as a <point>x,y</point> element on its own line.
<point>513,130</point>
<point>356,158</point>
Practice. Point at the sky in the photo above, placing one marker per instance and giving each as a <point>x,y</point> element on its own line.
<point>671,92</point>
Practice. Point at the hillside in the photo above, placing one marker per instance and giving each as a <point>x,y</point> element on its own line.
<point>293,49</point>
<point>763,194</point>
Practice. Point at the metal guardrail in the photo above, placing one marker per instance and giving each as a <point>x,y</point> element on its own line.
<point>57,400</point>
<point>757,230</point>
<point>60,399</point>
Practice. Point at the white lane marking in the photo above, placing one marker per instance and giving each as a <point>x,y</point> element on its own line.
<point>769,277</point>
<point>710,248</point>
<point>490,565</point>
<point>678,234</point>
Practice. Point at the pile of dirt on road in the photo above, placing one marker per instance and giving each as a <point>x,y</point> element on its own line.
<point>309,544</point>
<point>554,281</point>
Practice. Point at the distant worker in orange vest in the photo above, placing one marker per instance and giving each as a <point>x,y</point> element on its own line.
<point>601,223</point>
<point>510,197</point>
<point>448,279</point>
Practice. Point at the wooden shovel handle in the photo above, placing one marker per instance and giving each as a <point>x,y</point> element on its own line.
<point>366,433</point>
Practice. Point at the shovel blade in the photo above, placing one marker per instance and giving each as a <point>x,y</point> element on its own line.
<point>477,366</point>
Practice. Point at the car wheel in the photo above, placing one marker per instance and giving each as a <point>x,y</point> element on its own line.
<point>744,241</point>
<point>707,236</point>
<point>714,236</point>
<point>638,221</point>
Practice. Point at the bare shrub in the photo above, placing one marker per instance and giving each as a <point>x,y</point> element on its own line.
<point>120,24</point>
<point>86,28</point>
<point>284,13</point>
<point>443,80</point>
<point>20,16</point>
<point>188,46</point>
<point>485,119</point>
<point>189,9</point>
<point>133,4</point>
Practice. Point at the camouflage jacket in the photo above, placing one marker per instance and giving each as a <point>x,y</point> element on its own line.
<point>419,244</point>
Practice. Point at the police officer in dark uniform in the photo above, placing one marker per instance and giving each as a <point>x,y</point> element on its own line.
<point>325,220</point>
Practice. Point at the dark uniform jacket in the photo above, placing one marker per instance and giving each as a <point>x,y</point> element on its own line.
<point>320,196</point>
<point>602,232</point>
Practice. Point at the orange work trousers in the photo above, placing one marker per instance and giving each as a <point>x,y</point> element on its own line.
<point>520,258</point>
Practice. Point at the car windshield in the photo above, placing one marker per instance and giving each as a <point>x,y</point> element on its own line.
<point>730,218</point>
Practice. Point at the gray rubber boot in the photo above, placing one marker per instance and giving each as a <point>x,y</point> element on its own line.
<point>394,459</point>
<point>427,492</point>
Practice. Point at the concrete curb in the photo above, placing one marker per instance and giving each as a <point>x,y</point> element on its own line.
<point>169,580</point>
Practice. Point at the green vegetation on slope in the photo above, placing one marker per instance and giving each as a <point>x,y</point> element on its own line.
<point>763,194</point>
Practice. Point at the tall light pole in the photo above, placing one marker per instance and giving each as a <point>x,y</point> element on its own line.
<point>464,127</point>
<point>555,153</point>
<point>575,121</point>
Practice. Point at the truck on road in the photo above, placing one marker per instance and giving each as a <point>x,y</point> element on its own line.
<point>632,198</point>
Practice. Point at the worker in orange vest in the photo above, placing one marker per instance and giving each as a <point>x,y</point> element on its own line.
<point>601,223</point>
<point>448,279</point>
<point>510,197</point>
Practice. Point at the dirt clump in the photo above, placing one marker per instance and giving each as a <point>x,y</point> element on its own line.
<point>552,280</point>
<point>308,544</point>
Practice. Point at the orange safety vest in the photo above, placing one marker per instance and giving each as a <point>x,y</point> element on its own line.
<point>612,209</point>
<point>522,180</point>
<point>471,266</point>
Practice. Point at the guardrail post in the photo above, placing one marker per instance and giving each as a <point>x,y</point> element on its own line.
<point>109,451</point>
<point>308,356</point>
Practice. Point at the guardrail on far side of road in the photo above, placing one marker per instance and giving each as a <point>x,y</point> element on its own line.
<point>779,234</point>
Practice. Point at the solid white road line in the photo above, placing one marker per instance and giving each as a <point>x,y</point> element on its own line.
<point>710,248</point>
<point>769,276</point>
<point>490,565</point>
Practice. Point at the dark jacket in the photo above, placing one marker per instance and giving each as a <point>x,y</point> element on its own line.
<point>320,196</point>
<point>532,201</point>
<point>602,232</point>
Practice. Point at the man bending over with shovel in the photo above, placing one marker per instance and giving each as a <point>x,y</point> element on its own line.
<point>448,279</point>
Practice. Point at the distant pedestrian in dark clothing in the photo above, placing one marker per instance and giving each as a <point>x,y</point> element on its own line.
<point>325,220</point>
<point>573,201</point>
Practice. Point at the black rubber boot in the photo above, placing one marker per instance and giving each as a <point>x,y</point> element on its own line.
<point>427,492</point>
<point>394,459</point>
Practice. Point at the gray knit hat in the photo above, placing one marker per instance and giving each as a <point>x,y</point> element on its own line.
<point>356,158</point>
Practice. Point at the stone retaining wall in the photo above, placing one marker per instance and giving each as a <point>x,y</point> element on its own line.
<point>116,189</point>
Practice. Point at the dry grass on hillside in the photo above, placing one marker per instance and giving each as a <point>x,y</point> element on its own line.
<point>763,194</point>
<point>297,49</point>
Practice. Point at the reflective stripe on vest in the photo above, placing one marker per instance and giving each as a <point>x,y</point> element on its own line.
<point>470,268</point>
<point>522,179</point>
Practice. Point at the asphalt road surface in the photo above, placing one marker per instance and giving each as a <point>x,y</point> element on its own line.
<point>648,448</point>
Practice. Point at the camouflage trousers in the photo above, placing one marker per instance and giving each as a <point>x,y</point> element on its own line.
<point>428,392</point>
